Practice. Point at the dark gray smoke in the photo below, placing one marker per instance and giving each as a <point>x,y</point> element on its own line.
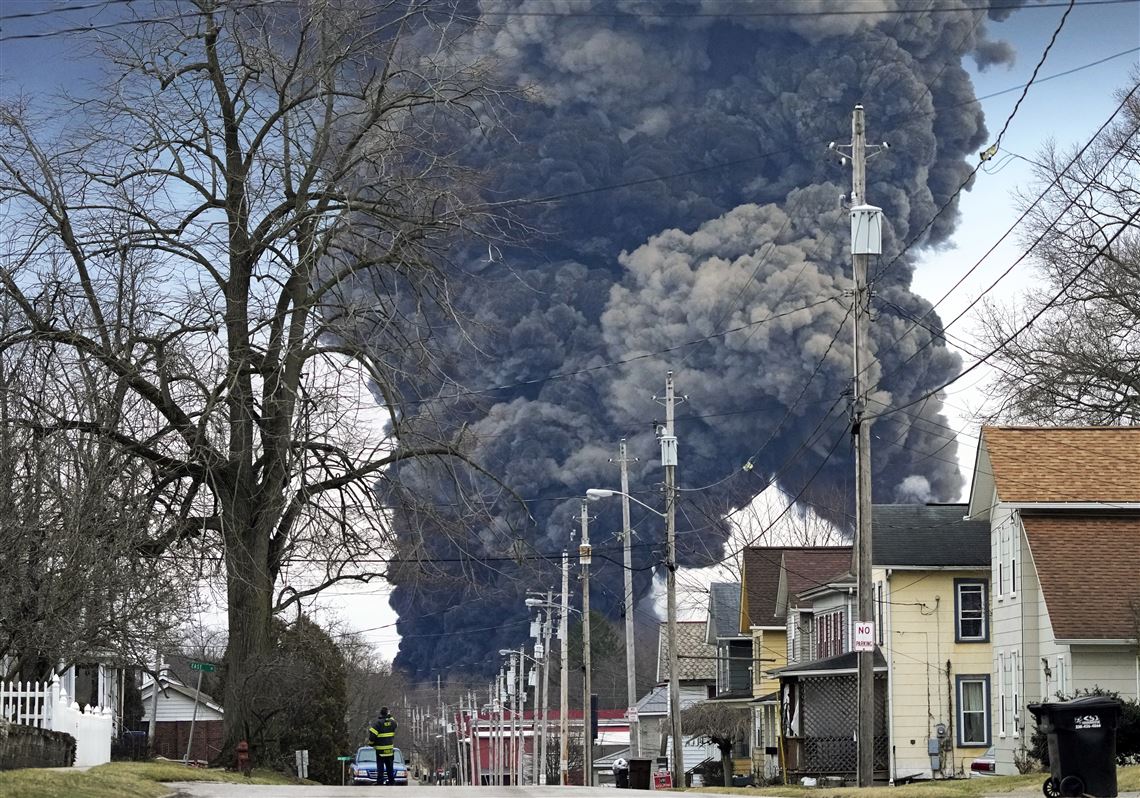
<point>736,104</point>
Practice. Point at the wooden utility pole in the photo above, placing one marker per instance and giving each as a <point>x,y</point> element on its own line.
<point>584,558</point>
<point>669,461</point>
<point>627,560</point>
<point>564,692</point>
<point>866,240</point>
<point>547,621</point>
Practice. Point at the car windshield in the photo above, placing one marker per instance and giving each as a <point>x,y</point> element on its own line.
<point>368,754</point>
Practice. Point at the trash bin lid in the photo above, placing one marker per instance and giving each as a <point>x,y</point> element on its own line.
<point>1086,705</point>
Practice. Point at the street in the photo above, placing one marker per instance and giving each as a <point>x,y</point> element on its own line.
<point>217,790</point>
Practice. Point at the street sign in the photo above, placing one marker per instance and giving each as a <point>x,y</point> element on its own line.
<point>631,714</point>
<point>865,636</point>
<point>205,667</point>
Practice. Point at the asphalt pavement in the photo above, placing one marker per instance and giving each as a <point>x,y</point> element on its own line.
<point>215,790</point>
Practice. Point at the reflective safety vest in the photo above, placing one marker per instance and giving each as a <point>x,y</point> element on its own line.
<point>382,736</point>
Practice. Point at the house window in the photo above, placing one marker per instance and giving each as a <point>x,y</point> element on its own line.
<point>1001,695</point>
<point>971,624</point>
<point>829,634</point>
<point>1013,567</point>
<point>1000,559</point>
<point>974,711</point>
<point>879,612</point>
<point>1015,707</point>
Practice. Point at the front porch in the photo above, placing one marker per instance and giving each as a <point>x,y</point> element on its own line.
<point>819,708</point>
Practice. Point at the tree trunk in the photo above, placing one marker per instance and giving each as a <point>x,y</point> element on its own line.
<point>250,594</point>
<point>726,765</point>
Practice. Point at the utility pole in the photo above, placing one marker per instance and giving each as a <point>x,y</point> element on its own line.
<point>520,705</point>
<point>866,240</point>
<point>546,624</point>
<point>669,461</point>
<point>564,695</point>
<point>627,560</point>
<point>476,744</point>
<point>584,557</point>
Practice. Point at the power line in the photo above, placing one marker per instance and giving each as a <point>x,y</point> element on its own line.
<point>1044,192</point>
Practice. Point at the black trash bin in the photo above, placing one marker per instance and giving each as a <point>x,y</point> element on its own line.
<point>1082,745</point>
<point>621,778</point>
<point>641,774</point>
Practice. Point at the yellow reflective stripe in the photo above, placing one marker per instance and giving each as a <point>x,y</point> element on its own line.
<point>373,730</point>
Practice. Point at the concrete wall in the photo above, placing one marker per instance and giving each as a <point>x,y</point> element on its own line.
<point>918,641</point>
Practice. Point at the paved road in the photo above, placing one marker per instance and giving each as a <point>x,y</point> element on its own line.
<point>212,790</point>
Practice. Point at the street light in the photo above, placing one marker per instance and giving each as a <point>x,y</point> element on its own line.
<point>593,494</point>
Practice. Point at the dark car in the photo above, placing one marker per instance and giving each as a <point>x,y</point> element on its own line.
<point>363,767</point>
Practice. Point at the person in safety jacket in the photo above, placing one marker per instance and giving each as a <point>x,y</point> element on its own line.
<point>382,737</point>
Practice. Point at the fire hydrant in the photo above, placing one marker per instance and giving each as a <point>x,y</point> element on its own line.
<point>242,751</point>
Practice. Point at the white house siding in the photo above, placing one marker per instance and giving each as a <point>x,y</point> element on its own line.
<point>1022,634</point>
<point>1109,667</point>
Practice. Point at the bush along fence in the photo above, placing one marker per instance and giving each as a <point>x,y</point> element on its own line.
<point>46,706</point>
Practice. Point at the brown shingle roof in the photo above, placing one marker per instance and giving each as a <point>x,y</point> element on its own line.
<point>1065,464</point>
<point>1088,568</point>
<point>696,659</point>
<point>760,575</point>
<point>808,568</point>
<point>805,567</point>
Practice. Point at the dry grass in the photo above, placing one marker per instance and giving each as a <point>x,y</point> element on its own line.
<point>119,780</point>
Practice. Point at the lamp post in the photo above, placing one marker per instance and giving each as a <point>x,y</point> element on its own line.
<point>594,494</point>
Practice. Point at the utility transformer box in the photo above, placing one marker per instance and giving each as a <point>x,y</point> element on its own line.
<point>866,230</point>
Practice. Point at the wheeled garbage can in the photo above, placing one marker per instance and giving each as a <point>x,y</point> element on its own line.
<point>640,774</point>
<point>1082,745</point>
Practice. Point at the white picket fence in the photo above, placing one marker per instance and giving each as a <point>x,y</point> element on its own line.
<point>47,706</point>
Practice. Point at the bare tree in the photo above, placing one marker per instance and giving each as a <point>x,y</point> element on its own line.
<point>1078,362</point>
<point>73,510</point>
<point>721,725</point>
<point>250,218</point>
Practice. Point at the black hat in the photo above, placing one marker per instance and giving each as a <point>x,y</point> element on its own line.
<point>383,711</point>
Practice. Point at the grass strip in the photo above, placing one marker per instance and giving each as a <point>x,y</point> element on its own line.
<point>120,780</point>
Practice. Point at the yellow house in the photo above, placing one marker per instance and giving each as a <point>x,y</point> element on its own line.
<point>931,580</point>
<point>769,577</point>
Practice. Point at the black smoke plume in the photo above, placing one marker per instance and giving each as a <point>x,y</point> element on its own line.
<point>684,146</point>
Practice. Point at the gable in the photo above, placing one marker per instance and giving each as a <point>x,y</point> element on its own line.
<point>1063,464</point>
<point>772,574</point>
<point>696,659</point>
<point>1087,567</point>
<point>724,611</point>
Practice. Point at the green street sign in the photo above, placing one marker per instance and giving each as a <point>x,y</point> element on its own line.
<point>344,759</point>
<point>205,667</point>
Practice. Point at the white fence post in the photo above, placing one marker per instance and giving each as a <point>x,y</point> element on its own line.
<point>47,706</point>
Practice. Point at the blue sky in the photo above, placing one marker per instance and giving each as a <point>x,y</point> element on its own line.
<point>1066,109</point>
